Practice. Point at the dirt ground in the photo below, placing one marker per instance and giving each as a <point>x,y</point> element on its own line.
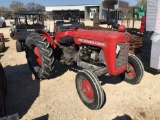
<point>57,98</point>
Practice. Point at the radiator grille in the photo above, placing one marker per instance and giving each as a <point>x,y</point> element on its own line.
<point>122,56</point>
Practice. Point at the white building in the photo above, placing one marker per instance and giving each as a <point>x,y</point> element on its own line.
<point>84,9</point>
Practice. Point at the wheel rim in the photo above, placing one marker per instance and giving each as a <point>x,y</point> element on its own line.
<point>87,89</point>
<point>38,56</point>
<point>131,73</point>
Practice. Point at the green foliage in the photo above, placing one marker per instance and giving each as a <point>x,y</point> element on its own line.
<point>35,7</point>
<point>15,6</point>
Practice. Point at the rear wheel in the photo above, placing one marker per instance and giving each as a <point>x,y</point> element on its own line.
<point>12,35</point>
<point>89,89</point>
<point>19,47</point>
<point>136,70</point>
<point>4,24</point>
<point>40,56</point>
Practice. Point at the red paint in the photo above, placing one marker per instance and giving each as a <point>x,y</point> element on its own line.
<point>48,37</point>
<point>87,89</point>
<point>15,36</point>
<point>131,73</point>
<point>143,20</point>
<point>121,28</point>
<point>38,55</point>
<point>109,38</point>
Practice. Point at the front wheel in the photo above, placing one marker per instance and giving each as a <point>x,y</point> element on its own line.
<point>135,71</point>
<point>89,90</point>
<point>40,56</point>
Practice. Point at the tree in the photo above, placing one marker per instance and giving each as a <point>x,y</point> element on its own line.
<point>40,8</point>
<point>35,7</point>
<point>15,6</point>
<point>142,3</point>
<point>3,10</point>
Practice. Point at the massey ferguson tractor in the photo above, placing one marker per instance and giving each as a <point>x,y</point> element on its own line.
<point>98,52</point>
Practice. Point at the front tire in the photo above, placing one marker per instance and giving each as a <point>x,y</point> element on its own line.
<point>40,56</point>
<point>136,72</point>
<point>89,90</point>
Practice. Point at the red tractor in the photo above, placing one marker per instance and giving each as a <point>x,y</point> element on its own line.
<point>97,52</point>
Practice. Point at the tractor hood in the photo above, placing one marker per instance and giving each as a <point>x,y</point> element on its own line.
<point>103,36</point>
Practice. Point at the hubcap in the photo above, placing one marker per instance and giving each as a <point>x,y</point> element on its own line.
<point>38,56</point>
<point>131,73</point>
<point>87,89</point>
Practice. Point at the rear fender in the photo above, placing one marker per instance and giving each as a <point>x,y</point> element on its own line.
<point>48,38</point>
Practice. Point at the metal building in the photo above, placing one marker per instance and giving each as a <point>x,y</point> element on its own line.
<point>87,11</point>
<point>84,9</point>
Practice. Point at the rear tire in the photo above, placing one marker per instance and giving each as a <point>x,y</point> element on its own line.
<point>4,24</point>
<point>19,46</point>
<point>137,70</point>
<point>89,89</point>
<point>12,35</point>
<point>40,56</point>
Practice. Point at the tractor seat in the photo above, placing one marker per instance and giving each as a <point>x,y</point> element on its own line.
<point>67,39</point>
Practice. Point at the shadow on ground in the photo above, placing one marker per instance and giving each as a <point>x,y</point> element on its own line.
<point>124,117</point>
<point>22,89</point>
<point>60,69</point>
<point>44,117</point>
<point>5,49</point>
<point>110,79</point>
<point>6,40</point>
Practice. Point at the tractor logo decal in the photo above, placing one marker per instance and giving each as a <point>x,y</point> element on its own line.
<point>91,42</point>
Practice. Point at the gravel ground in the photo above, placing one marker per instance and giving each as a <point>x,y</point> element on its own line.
<point>57,99</point>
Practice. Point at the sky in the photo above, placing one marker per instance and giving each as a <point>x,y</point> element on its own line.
<point>6,3</point>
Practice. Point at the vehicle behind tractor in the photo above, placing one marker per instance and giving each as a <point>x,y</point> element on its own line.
<point>25,23</point>
<point>98,52</point>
